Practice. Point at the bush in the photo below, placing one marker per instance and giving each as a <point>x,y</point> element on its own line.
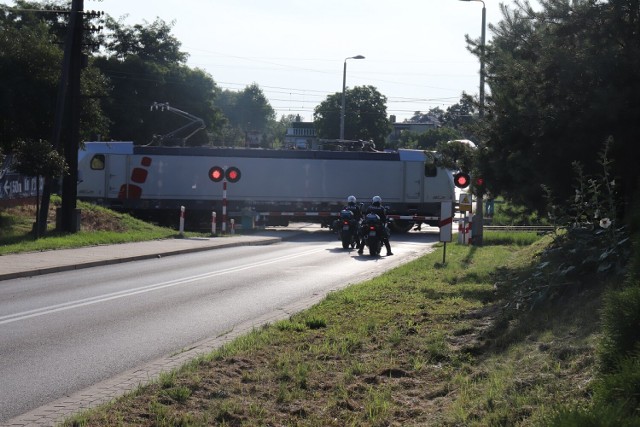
<point>621,326</point>
<point>598,416</point>
<point>621,387</point>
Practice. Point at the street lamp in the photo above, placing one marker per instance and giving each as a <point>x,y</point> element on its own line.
<point>482,44</point>
<point>344,87</point>
<point>478,223</point>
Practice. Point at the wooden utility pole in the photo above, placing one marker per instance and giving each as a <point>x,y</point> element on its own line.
<point>70,217</point>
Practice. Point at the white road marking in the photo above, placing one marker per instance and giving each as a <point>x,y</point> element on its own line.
<point>143,289</point>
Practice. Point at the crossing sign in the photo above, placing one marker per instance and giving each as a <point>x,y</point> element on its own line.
<point>464,204</point>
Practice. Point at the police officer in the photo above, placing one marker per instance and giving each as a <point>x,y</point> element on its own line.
<point>377,209</point>
<point>353,207</point>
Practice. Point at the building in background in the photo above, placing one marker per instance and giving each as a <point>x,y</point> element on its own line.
<point>428,123</point>
<point>301,136</point>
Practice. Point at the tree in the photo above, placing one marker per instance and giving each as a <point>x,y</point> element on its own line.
<point>29,72</point>
<point>38,159</point>
<point>563,79</point>
<point>30,69</point>
<point>456,155</point>
<point>365,116</point>
<point>144,65</point>
<point>247,110</point>
<point>433,115</point>
<point>150,43</point>
<point>430,139</point>
<point>462,117</point>
<point>277,130</point>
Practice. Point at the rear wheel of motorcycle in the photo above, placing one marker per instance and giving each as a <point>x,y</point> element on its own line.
<point>345,243</point>
<point>373,246</point>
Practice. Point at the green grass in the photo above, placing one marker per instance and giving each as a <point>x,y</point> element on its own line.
<point>508,214</point>
<point>424,344</point>
<point>103,227</point>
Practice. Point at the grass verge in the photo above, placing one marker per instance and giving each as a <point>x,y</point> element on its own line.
<point>424,344</point>
<point>99,226</point>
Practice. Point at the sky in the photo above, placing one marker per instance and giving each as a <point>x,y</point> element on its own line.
<point>415,50</point>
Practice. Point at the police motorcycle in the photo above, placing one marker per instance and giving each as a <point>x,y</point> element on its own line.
<point>373,231</point>
<point>347,229</point>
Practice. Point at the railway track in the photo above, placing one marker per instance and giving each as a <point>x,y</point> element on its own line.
<point>536,228</point>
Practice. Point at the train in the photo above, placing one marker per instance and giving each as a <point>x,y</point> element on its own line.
<point>270,186</point>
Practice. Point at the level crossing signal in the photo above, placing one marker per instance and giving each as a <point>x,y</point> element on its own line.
<point>233,174</point>
<point>461,180</point>
<point>217,174</point>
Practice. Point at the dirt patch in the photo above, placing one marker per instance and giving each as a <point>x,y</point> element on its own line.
<point>91,218</point>
<point>99,220</point>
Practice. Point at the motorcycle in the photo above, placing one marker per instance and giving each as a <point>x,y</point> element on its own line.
<point>373,232</point>
<point>347,228</point>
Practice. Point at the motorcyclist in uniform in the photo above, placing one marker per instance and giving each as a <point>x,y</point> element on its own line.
<point>353,207</point>
<point>376,208</point>
<point>357,217</point>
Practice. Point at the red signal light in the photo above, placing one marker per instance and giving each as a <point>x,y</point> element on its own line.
<point>216,174</point>
<point>233,174</point>
<point>461,180</point>
<point>479,182</point>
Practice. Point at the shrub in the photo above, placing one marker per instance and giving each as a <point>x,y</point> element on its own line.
<point>621,325</point>
<point>622,386</point>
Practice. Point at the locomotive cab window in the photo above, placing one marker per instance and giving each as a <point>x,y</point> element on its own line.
<point>430,168</point>
<point>97,162</point>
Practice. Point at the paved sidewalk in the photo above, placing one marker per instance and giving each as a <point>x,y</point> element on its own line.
<point>35,263</point>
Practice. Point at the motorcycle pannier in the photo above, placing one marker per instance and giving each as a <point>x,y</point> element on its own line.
<point>346,214</point>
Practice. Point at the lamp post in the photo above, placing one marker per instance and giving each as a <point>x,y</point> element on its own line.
<point>344,87</point>
<point>478,222</point>
<point>482,44</point>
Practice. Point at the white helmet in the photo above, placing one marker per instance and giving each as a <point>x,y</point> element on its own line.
<point>376,199</point>
<point>351,199</point>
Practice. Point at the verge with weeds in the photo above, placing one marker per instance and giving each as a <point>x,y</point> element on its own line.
<point>425,344</point>
<point>99,226</point>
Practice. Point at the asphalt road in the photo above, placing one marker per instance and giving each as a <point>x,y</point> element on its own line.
<point>62,332</point>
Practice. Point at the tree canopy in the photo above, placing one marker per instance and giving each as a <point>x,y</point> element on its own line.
<point>136,66</point>
<point>29,70</point>
<point>429,139</point>
<point>563,79</point>
<point>150,43</point>
<point>31,40</point>
<point>144,65</point>
<point>246,111</point>
<point>365,116</point>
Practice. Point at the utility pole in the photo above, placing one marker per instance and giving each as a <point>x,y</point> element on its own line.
<point>478,218</point>
<point>70,217</point>
<point>57,124</point>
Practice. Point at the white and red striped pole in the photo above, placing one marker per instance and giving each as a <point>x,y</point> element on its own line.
<point>224,206</point>
<point>446,226</point>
